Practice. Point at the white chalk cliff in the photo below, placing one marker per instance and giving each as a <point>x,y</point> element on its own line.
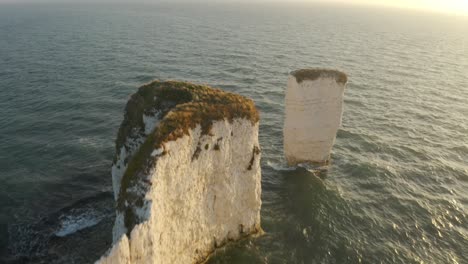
<point>186,175</point>
<point>314,107</point>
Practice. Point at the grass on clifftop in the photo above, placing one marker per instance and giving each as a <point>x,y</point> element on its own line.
<point>315,73</point>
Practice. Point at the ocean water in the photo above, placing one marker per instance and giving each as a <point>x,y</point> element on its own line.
<point>395,192</point>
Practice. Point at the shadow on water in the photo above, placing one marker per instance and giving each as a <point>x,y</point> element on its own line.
<point>309,229</point>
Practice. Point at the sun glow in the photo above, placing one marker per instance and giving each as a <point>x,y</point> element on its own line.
<point>446,6</point>
<point>452,6</point>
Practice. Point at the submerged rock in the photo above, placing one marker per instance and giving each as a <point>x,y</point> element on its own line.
<point>314,106</point>
<point>186,174</point>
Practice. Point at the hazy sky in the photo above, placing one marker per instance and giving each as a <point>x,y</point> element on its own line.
<point>450,6</point>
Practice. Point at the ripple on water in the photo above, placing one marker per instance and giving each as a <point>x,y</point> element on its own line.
<point>395,191</point>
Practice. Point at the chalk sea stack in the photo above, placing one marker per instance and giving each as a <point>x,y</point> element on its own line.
<point>314,107</point>
<point>186,174</point>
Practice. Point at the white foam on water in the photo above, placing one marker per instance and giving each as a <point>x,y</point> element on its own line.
<point>73,223</point>
<point>280,167</point>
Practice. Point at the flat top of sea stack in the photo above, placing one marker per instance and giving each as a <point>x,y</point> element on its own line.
<point>202,106</point>
<point>186,105</point>
<point>313,74</point>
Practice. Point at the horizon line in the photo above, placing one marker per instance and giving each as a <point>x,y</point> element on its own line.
<point>458,14</point>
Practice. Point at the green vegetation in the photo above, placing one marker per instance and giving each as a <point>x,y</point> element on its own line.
<point>183,106</point>
<point>315,73</point>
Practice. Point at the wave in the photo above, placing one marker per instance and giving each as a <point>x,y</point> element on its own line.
<point>31,241</point>
<point>70,224</point>
<point>319,171</point>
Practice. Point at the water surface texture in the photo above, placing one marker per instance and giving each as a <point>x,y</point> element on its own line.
<point>395,192</point>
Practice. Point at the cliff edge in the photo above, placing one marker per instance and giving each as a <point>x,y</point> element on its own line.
<point>186,174</point>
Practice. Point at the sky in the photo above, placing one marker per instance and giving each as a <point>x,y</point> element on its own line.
<point>445,6</point>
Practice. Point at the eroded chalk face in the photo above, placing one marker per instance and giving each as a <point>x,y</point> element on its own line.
<point>187,175</point>
<point>314,107</point>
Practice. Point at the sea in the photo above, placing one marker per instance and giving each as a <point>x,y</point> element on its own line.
<point>396,190</point>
